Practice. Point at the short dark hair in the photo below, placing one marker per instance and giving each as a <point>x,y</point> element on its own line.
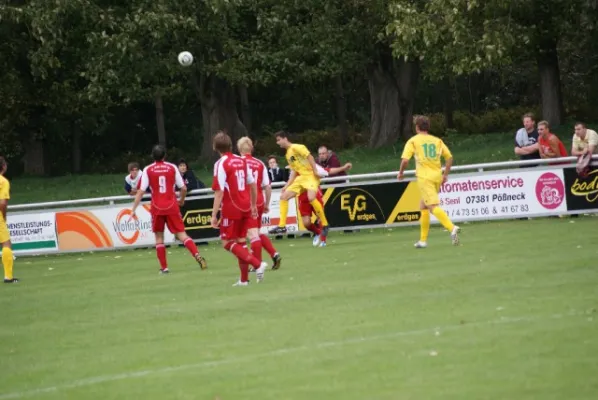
<point>272,156</point>
<point>2,163</point>
<point>578,123</point>
<point>423,123</point>
<point>158,152</point>
<point>222,142</point>
<point>281,134</point>
<point>530,116</point>
<point>132,165</point>
<point>182,161</point>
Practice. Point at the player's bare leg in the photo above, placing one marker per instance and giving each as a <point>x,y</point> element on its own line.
<point>8,262</point>
<point>192,248</point>
<point>319,211</point>
<point>256,248</point>
<point>161,252</point>
<point>284,210</point>
<point>239,250</point>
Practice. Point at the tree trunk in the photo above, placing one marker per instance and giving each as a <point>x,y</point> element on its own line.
<point>245,110</point>
<point>392,88</point>
<point>76,148</point>
<point>160,119</point>
<point>219,112</point>
<point>447,103</point>
<point>550,82</point>
<point>34,160</point>
<point>341,111</point>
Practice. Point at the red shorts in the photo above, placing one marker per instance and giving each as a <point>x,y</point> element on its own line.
<point>305,208</point>
<point>174,222</point>
<point>232,229</point>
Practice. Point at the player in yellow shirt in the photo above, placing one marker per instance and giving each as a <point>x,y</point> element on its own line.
<point>7,256</point>
<point>303,178</point>
<point>428,150</point>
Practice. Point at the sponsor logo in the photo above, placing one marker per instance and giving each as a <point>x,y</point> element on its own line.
<point>472,185</point>
<point>198,219</point>
<point>360,205</point>
<point>129,228</point>
<point>550,190</point>
<point>586,187</point>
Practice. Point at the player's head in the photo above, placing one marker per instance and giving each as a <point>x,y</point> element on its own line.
<point>282,139</point>
<point>543,128</point>
<point>245,146</point>
<point>529,121</point>
<point>133,169</point>
<point>222,143</point>
<point>3,165</point>
<point>580,130</point>
<point>158,152</point>
<point>422,124</point>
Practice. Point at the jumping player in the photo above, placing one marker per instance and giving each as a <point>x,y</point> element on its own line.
<point>161,177</point>
<point>306,209</point>
<point>235,191</point>
<point>428,150</point>
<point>264,193</point>
<point>7,254</point>
<point>304,178</point>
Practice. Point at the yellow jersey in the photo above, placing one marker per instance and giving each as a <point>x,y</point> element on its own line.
<point>297,157</point>
<point>4,191</point>
<point>427,150</point>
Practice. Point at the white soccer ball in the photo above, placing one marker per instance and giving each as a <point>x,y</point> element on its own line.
<point>185,58</point>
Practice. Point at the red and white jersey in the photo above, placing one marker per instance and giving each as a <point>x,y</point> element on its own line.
<point>161,177</point>
<point>260,176</point>
<point>233,177</point>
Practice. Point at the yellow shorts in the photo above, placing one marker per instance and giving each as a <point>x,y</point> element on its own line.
<point>303,183</point>
<point>428,191</point>
<point>4,234</point>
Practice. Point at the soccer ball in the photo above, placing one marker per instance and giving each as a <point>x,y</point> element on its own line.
<point>185,58</point>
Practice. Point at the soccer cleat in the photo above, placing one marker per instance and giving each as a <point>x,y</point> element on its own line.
<point>259,273</point>
<point>323,244</point>
<point>13,280</point>
<point>455,235</point>
<point>239,283</point>
<point>420,245</point>
<point>316,240</point>
<point>201,261</point>
<point>278,230</point>
<point>164,271</point>
<point>276,261</point>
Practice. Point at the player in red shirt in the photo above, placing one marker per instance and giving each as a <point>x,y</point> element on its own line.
<point>161,177</point>
<point>264,192</point>
<point>306,209</point>
<point>236,198</point>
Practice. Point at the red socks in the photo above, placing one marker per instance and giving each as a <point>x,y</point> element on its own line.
<point>244,267</point>
<point>267,244</point>
<point>242,254</point>
<point>161,253</point>
<point>314,228</point>
<point>190,245</point>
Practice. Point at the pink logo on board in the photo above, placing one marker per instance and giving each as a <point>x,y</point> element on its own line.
<point>550,190</point>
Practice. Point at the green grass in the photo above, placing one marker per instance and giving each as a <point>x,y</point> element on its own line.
<point>467,149</point>
<point>510,314</point>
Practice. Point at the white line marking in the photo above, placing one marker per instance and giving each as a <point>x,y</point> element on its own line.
<point>274,353</point>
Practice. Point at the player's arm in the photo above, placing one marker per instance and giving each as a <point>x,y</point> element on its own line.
<point>143,185</point>
<point>408,152</point>
<point>218,184</point>
<point>448,160</point>
<point>180,184</point>
<point>250,180</point>
<point>292,177</point>
<point>266,186</point>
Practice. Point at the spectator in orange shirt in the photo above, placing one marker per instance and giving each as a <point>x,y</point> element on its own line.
<point>550,145</point>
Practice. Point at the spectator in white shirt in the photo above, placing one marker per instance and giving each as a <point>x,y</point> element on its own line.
<point>132,180</point>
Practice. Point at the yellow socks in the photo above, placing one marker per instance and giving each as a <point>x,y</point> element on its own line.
<point>443,218</point>
<point>7,261</point>
<point>424,221</point>
<point>284,210</point>
<point>319,210</point>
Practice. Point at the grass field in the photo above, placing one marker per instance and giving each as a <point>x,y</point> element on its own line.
<point>467,149</point>
<point>510,314</point>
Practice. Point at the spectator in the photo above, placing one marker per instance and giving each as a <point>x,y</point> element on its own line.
<point>327,159</point>
<point>133,179</point>
<point>189,177</point>
<point>526,140</point>
<point>550,145</point>
<point>584,141</point>
<point>276,173</point>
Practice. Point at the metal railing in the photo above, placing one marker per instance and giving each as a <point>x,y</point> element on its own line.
<point>335,180</point>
